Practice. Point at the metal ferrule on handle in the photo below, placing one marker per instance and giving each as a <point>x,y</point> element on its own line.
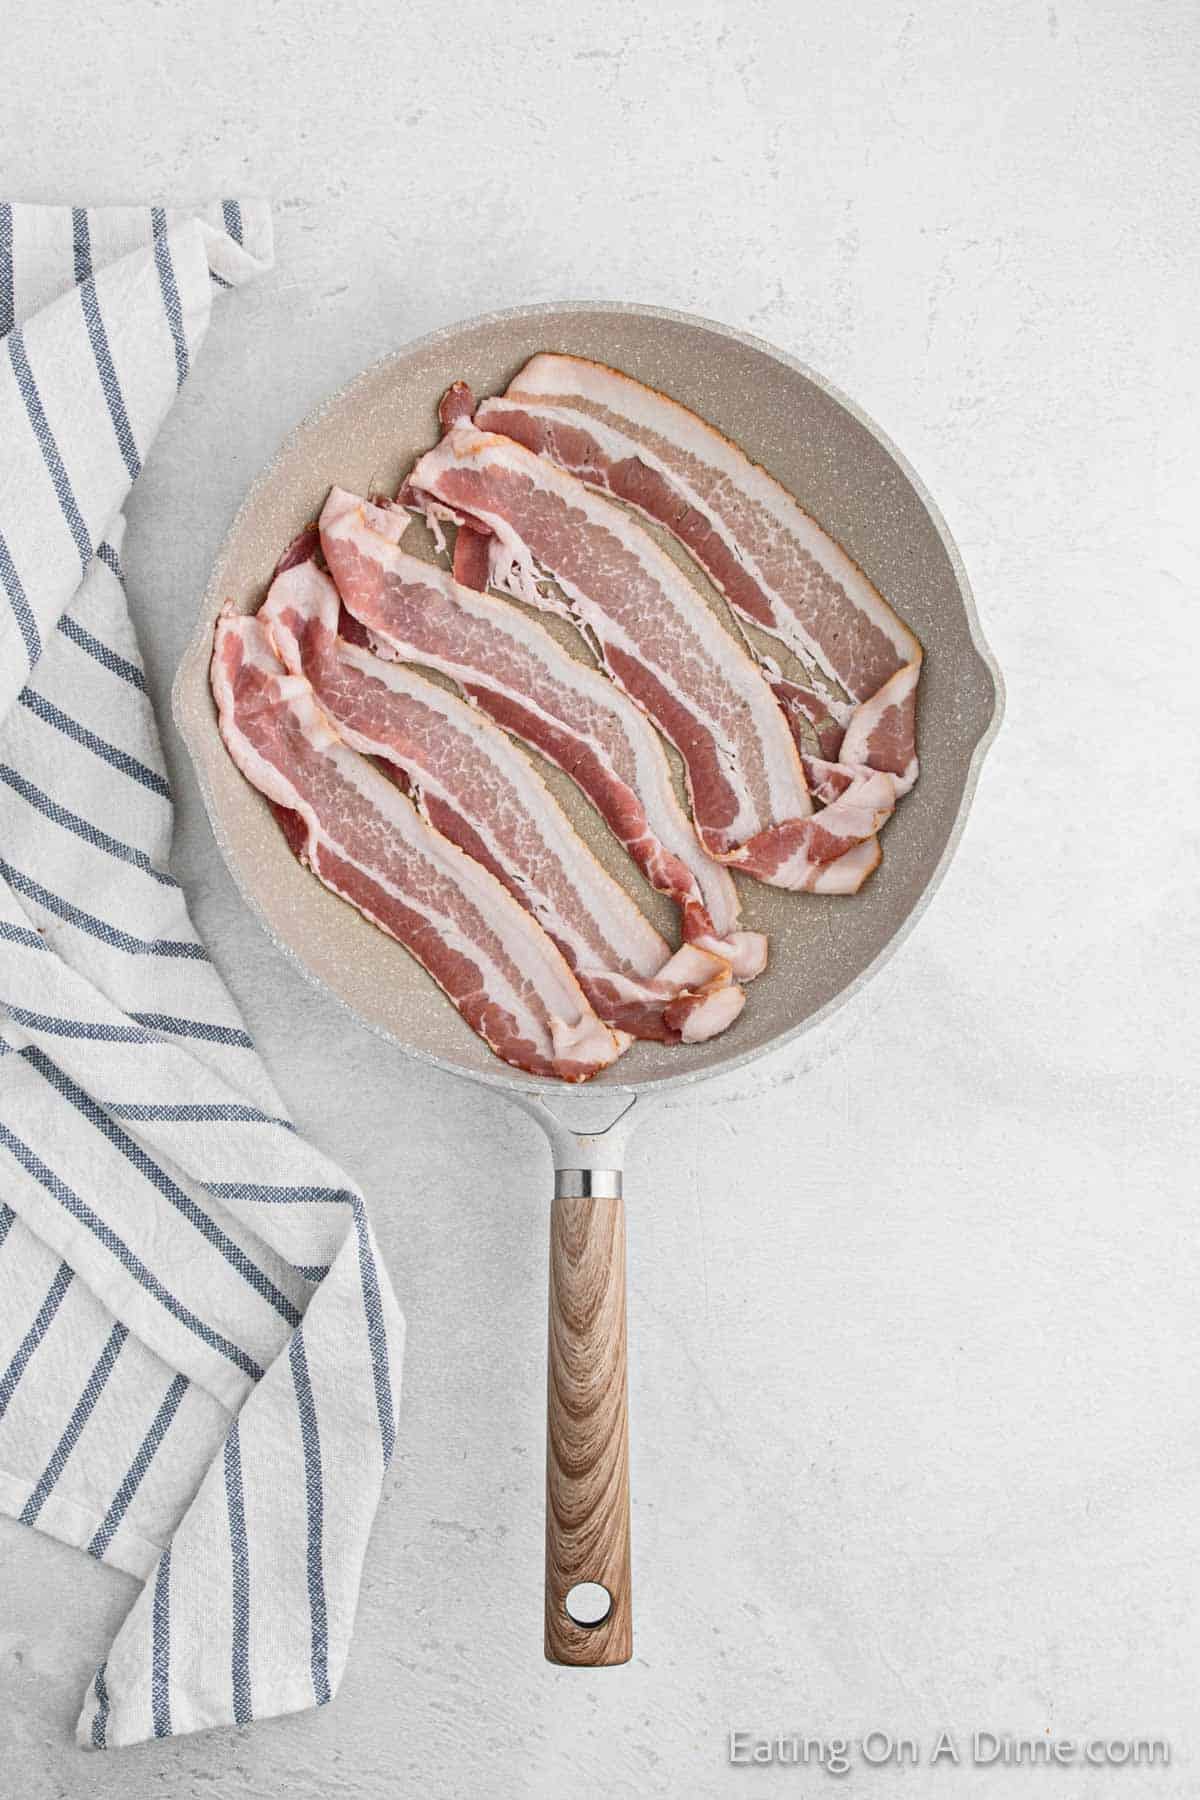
<point>587,1184</point>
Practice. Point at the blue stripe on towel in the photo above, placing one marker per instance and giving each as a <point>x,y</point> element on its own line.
<point>183,1203</point>
<point>376,1333</point>
<point>35,1334</point>
<point>83,828</point>
<point>100,1722</point>
<point>160,1653</point>
<point>89,300</point>
<point>147,1451</point>
<point>116,665</point>
<point>149,1029</point>
<point>40,426</point>
<point>22,611</point>
<point>7,1215</point>
<point>239,1556</point>
<point>170,291</point>
<point>119,759</point>
<point>203,1112</point>
<point>278,1196</point>
<point>84,1407</point>
<point>194,1028</point>
<point>232,214</point>
<point>314,1495</point>
<point>187,949</point>
<point>7,296</point>
<point>82,242</point>
<point>119,1249</point>
<point>92,1029</point>
<point>111,560</point>
<point>22,934</point>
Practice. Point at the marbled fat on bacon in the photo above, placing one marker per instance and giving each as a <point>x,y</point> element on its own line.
<point>475,787</point>
<point>513,670</point>
<point>773,563</point>
<point>368,844</point>
<point>661,644</point>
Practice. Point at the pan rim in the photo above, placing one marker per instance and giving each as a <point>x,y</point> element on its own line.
<point>512,1081</point>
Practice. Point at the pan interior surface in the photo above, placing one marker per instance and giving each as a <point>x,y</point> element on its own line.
<point>839,468</point>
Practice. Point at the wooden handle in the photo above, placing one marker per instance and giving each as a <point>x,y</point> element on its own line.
<point>587,1434</point>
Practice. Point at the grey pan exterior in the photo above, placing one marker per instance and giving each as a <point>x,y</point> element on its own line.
<point>840,466</point>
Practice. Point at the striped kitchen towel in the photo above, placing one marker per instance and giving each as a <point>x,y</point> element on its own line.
<point>199,1347</point>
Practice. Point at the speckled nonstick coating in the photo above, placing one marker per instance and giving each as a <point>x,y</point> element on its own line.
<point>840,467</point>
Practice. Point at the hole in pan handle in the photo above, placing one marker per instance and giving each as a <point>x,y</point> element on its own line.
<point>588,1603</point>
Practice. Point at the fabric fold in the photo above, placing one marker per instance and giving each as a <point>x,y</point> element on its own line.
<point>199,1347</point>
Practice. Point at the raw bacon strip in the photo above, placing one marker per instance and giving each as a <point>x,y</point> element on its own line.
<point>883,731</point>
<point>660,643</point>
<point>773,563</point>
<point>515,672</point>
<point>830,781</point>
<point>800,703</point>
<point>365,841</point>
<point>472,559</point>
<point>845,874</point>
<point>476,788</point>
<point>827,780</point>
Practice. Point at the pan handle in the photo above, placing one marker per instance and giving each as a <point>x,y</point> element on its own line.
<point>588,1604</point>
<point>589,1610</point>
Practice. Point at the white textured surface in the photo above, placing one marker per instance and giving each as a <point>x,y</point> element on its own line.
<point>914,1340</point>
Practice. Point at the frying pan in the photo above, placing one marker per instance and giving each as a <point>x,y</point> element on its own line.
<point>857,484</point>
